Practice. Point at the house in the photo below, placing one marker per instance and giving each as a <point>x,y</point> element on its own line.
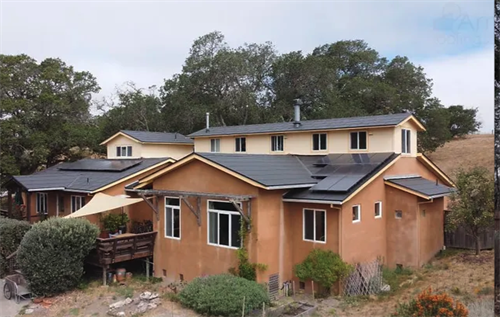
<point>65,188</point>
<point>356,186</point>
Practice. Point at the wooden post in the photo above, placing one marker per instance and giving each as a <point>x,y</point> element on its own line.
<point>293,288</point>
<point>263,309</point>
<point>28,206</point>
<point>9,203</point>
<point>312,284</point>
<point>147,269</point>
<point>243,310</point>
<point>104,276</point>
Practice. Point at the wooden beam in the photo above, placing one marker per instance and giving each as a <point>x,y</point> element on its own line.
<point>195,212</point>
<point>235,204</point>
<point>177,193</point>
<point>155,208</point>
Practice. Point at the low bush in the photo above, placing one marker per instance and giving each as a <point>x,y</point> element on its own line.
<point>51,254</point>
<point>428,304</point>
<point>12,232</point>
<point>323,267</point>
<point>223,295</point>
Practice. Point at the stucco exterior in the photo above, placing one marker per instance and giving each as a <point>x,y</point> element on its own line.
<point>148,150</point>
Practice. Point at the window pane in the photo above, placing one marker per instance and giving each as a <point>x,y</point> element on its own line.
<point>315,142</point>
<point>362,140</point>
<point>235,231</point>
<point>403,141</point>
<point>118,151</point>
<point>129,151</point>
<point>172,201</point>
<point>243,144</point>
<point>320,226</point>
<point>237,145</point>
<point>355,213</point>
<point>213,228</point>
<point>224,229</point>
<point>273,143</point>
<point>408,141</point>
<point>220,205</point>
<point>280,143</point>
<point>168,221</point>
<point>322,141</point>
<point>177,223</point>
<point>308,224</point>
<point>354,140</point>
<point>377,209</point>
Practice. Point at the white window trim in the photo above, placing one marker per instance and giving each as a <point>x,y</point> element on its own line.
<point>314,225</point>
<point>46,196</point>
<point>379,203</point>
<point>357,135</point>
<point>218,222</point>
<point>319,142</point>
<point>81,203</point>
<point>359,213</point>
<point>405,149</point>
<point>180,216</point>
<point>235,147</point>
<point>283,142</point>
<point>217,148</point>
<point>126,150</point>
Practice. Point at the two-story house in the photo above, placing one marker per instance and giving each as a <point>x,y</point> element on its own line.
<point>65,188</point>
<point>356,186</point>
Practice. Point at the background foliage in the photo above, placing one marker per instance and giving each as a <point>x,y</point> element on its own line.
<point>51,254</point>
<point>12,232</point>
<point>222,295</point>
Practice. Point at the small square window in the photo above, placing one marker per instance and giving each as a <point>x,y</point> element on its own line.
<point>164,272</point>
<point>356,213</point>
<point>277,143</point>
<point>319,141</point>
<point>378,209</point>
<point>399,214</point>
<point>240,145</point>
<point>215,145</point>
<point>358,140</point>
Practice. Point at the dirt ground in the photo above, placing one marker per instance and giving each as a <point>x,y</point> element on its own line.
<point>473,150</point>
<point>459,273</point>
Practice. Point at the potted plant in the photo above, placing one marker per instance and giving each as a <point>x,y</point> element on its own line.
<point>111,223</point>
<point>123,222</point>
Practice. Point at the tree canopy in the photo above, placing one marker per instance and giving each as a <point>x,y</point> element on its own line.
<point>45,107</point>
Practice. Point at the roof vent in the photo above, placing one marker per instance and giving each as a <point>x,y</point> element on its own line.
<point>296,118</point>
<point>208,122</point>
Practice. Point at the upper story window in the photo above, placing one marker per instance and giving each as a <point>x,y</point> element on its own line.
<point>41,203</point>
<point>405,141</point>
<point>215,145</point>
<point>240,144</point>
<point>77,202</point>
<point>358,140</point>
<point>277,143</point>
<point>124,151</point>
<point>319,141</point>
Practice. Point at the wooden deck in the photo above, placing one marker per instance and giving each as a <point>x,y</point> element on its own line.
<point>122,248</point>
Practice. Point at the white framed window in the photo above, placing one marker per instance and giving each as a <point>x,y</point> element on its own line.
<point>319,141</point>
<point>124,151</point>
<point>314,225</point>
<point>240,144</point>
<point>378,209</point>
<point>215,145</point>
<point>77,202</point>
<point>224,223</point>
<point>398,214</point>
<point>356,213</point>
<point>405,141</point>
<point>277,143</point>
<point>172,218</point>
<point>358,140</point>
<point>41,203</point>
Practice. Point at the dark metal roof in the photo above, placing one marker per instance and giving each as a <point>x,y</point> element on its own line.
<point>158,137</point>
<point>268,170</point>
<point>82,180</point>
<point>343,175</point>
<point>307,125</point>
<point>99,165</point>
<point>422,186</point>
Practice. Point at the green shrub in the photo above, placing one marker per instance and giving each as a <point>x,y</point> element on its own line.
<point>222,295</point>
<point>51,254</point>
<point>4,268</point>
<point>12,232</point>
<point>323,267</point>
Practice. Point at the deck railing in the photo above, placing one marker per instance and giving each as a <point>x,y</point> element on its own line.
<point>122,248</point>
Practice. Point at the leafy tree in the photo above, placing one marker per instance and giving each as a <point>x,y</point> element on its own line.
<point>462,121</point>
<point>436,118</point>
<point>44,112</point>
<point>472,206</point>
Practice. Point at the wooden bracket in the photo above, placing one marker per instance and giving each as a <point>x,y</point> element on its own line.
<point>237,206</point>
<point>155,208</point>
<point>196,212</point>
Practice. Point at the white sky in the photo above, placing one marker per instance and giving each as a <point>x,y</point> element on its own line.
<point>147,41</point>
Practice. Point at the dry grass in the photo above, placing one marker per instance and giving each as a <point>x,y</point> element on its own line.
<point>474,150</point>
<point>467,281</point>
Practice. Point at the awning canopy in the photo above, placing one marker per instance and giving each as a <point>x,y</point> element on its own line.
<point>101,203</point>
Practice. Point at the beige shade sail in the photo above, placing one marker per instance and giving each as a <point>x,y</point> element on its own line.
<point>101,203</point>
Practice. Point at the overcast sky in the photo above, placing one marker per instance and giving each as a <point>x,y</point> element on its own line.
<point>147,41</point>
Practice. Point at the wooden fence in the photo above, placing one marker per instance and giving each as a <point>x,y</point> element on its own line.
<point>461,240</point>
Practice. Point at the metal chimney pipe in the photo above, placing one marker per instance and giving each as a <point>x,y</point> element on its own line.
<point>296,106</point>
<point>208,122</point>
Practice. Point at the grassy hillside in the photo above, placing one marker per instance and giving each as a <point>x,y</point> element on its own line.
<point>474,150</point>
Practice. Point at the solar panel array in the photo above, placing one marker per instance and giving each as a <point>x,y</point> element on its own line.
<point>100,165</point>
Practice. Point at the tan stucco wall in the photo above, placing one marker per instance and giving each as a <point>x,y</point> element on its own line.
<point>379,140</point>
<point>120,140</point>
<point>175,151</point>
<point>431,223</point>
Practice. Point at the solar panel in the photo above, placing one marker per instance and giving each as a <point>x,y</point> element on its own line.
<point>337,183</point>
<point>99,165</point>
<point>328,182</point>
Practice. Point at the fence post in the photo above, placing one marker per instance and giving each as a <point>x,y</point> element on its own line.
<point>312,284</point>
<point>243,310</point>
